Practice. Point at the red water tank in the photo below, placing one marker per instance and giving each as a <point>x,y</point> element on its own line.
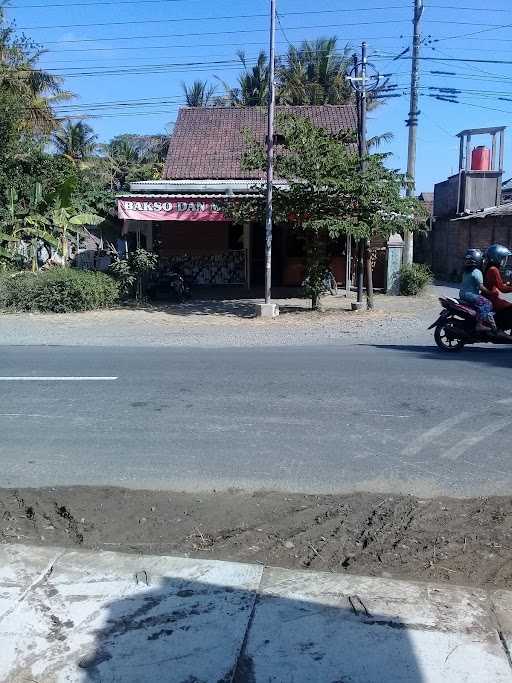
<point>481,159</point>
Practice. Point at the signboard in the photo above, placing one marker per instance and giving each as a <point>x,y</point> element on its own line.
<point>169,209</point>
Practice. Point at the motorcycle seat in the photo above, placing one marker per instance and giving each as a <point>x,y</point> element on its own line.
<point>451,301</point>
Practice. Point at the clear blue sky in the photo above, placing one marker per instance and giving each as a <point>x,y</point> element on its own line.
<point>167,35</point>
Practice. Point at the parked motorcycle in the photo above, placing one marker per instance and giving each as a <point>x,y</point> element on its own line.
<point>170,284</point>
<point>456,324</point>
<point>329,282</point>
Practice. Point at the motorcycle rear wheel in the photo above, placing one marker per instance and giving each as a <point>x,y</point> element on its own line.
<point>445,341</point>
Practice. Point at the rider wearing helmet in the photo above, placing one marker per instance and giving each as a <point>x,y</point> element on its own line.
<point>472,288</point>
<point>496,258</point>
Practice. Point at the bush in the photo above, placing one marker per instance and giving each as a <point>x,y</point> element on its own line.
<point>129,272</point>
<point>61,290</point>
<point>414,279</point>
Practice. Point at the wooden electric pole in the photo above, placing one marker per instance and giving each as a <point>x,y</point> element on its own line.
<point>412,123</point>
<point>270,153</point>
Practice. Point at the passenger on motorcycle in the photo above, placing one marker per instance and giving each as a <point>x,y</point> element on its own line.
<point>472,288</point>
<point>495,261</point>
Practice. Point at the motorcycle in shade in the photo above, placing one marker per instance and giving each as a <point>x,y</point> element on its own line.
<point>455,328</point>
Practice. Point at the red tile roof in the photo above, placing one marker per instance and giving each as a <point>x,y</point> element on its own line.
<point>208,142</point>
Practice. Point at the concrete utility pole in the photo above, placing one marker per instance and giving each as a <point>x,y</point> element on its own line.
<point>270,152</point>
<point>412,122</point>
<point>365,260</point>
<point>362,153</point>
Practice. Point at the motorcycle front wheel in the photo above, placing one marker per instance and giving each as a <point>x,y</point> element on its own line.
<point>445,340</point>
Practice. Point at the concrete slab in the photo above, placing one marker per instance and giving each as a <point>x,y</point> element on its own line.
<point>502,608</point>
<point>323,627</point>
<point>111,617</point>
<point>267,310</point>
<point>22,569</point>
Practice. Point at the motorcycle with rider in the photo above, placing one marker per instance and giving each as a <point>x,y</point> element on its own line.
<point>480,314</point>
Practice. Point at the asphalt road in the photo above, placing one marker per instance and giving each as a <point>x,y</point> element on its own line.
<point>330,419</point>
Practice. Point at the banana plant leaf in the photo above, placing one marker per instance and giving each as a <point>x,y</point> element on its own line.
<point>44,235</point>
<point>6,237</point>
<point>61,198</point>
<point>86,219</point>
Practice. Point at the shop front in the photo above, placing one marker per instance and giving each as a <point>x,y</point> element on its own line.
<point>180,216</point>
<point>191,234</point>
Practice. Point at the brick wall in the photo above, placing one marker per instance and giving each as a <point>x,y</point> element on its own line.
<point>451,238</point>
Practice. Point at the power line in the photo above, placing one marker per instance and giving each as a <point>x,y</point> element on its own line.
<point>166,47</point>
<point>460,59</point>
<point>145,67</point>
<point>88,4</point>
<point>473,33</point>
<point>212,33</point>
<point>210,18</point>
<point>469,9</point>
<point>281,27</point>
<point>143,2</point>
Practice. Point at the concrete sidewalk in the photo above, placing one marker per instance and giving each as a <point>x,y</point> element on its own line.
<point>85,616</point>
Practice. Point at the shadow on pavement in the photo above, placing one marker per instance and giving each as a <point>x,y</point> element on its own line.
<point>496,356</point>
<point>187,631</point>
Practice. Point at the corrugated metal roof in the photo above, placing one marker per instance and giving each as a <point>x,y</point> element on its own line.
<point>502,210</point>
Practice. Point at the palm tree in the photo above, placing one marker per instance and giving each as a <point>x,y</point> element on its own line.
<point>252,89</point>
<point>314,73</point>
<point>77,141</point>
<point>199,94</point>
<point>21,78</point>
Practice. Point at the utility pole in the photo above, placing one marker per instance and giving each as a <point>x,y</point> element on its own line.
<point>361,137</point>
<point>270,153</point>
<point>364,247</point>
<point>412,123</point>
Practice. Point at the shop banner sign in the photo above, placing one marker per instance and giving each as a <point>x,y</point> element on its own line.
<point>145,209</point>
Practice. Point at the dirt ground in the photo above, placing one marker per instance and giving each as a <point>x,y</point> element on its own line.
<point>467,542</point>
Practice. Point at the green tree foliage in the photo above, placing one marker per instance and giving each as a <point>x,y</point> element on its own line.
<point>414,278</point>
<point>252,87</point>
<point>59,290</point>
<point>128,158</point>
<point>76,141</point>
<point>310,73</point>
<point>131,271</point>
<point>199,94</point>
<point>314,73</point>
<point>327,194</point>
<point>35,90</point>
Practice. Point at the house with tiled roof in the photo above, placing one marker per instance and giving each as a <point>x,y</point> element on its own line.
<point>181,214</point>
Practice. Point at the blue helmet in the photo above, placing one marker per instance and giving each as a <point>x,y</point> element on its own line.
<point>497,254</point>
<point>474,257</point>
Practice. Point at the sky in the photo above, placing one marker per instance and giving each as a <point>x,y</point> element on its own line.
<point>125,60</point>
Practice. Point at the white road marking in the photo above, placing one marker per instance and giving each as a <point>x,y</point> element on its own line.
<point>57,379</point>
<point>427,437</point>
<point>460,448</point>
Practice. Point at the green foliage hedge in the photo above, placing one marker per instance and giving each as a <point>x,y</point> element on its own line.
<point>414,279</point>
<point>61,290</point>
